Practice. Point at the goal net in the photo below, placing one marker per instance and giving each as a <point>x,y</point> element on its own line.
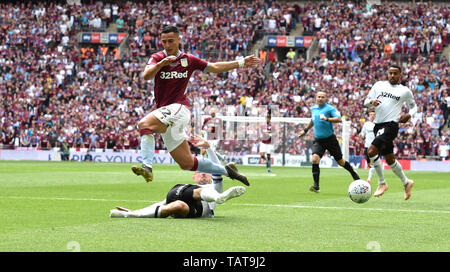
<point>239,136</point>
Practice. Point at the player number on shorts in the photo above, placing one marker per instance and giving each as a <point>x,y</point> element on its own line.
<point>165,112</point>
<point>380,132</point>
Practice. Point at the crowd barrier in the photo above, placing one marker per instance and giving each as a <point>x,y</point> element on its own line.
<point>162,157</point>
<point>98,155</point>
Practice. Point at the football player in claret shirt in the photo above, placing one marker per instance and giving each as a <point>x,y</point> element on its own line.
<point>212,128</point>
<point>171,70</point>
<point>266,145</point>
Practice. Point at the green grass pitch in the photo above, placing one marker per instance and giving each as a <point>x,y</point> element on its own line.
<point>64,206</point>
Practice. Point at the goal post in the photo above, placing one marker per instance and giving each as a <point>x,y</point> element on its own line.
<point>240,136</point>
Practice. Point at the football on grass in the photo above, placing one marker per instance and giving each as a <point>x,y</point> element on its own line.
<point>359,191</point>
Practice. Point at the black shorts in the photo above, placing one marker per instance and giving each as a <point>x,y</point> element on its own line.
<point>385,134</point>
<point>185,193</point>
<point>331,144</point>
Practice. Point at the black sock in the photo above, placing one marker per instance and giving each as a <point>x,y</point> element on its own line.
<point>349,168</point>
<point>316,174</point>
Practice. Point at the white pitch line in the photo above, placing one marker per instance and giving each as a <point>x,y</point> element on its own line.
<point>234,204</point>
<point>340,208</point>
<point>73,199</point>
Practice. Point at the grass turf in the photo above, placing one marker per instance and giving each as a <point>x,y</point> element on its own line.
<point>64,206</point>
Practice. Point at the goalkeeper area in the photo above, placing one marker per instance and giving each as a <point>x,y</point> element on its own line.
<point>242,135</point>
<point>64,207</point>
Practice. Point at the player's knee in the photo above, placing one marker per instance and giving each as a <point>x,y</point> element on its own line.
<point>151,123</point>
<point>390,159</point>
<point>316,159</point>
<point>142,124</point>
<point>372,151</point>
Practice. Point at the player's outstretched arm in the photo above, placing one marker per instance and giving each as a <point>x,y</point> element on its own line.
<point>334,119</point>
<point>308,127</point>
<point>221,67</point>
<point>151,69</point>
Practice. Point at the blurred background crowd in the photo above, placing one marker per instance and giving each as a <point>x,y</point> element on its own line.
<point>56,90</point>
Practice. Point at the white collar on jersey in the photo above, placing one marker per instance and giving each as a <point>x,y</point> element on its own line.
<point>165,53</point>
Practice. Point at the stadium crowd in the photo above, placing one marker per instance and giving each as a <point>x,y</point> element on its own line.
<point>55,92</point>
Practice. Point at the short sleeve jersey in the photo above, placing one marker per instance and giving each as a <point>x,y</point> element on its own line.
<point>172,80</point>
<point>266,130</point>
<point>323,129</point>
<point>392,98</point>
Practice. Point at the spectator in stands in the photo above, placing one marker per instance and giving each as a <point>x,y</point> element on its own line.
<point>31,49</point>
<point>88,156</point>
<point>291,54</point>
<point>93,140</point>
<point>53,135</point>
<point>64,150</point>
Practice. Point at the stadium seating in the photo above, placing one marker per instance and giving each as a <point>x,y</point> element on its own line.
<point>55,91</point>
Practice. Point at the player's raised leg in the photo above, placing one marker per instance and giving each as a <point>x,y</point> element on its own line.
<point>147,126</point>
<point>182,155</point>
<point>147,150</point>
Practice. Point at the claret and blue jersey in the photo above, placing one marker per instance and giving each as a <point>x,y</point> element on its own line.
<point>322,128</point>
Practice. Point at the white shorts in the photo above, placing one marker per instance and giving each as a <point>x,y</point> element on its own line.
<point>265,148</point>
<point>177,117</point>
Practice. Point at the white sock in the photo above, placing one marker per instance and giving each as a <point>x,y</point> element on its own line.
<point>148,149</point>
<point>217,181</point>
<point>376,161</point>
<point>398,170</point>
<point>153,210</point>
<point>212,156</point>
<point>209,194</point>
<point>371,171</point>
